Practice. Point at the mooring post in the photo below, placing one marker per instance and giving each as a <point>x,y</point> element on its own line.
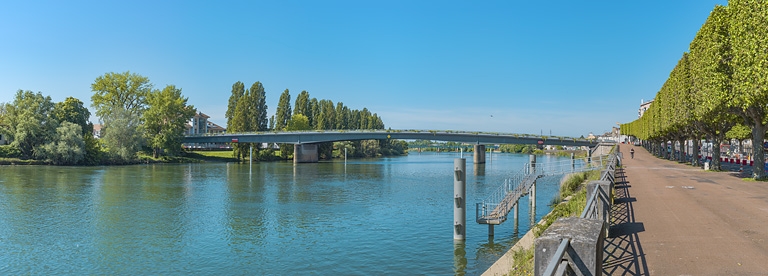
<point>573,162</point>
<point>490,232</point>
<point>459,198</point>
<point>532,162</point>
<point>515,213</point>
<point>250,156</point>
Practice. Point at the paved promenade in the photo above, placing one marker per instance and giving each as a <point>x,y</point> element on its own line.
<point>673,219</point>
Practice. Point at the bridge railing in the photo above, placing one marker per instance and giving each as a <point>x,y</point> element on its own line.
<point>595,216</point>
<point>518,135</point>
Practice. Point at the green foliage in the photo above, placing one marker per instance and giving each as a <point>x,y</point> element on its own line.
<point>165,120</point>
<point>8,151</point>
<point>749,40</point>
<point>526,149</point>
<point>123,92</point>
<point>74,111</point>
<point>238,90</point>
<point>283,113</point>
<point>298,122</point>
<point>122,135</point>
<point>522,262</point>
<point>29,123</point>
<point>302,104</point>
<point>250,114</point>
<point>739,132</point>
<point>68,147</point>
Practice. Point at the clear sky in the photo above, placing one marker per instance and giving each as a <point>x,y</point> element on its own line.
<point>569,67</point>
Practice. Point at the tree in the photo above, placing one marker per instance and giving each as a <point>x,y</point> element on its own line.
<point>258,103</point>
<point>302,104</point>
<point>68,147</point>
<point>74,111</point>
<point>165,119</point>
<point>298,122</point>
<point>29,123</point>
<point>238,90</point>
<point>283,116</point>
<point>749,39</point>
<point>250,115</point>
<point>115,92</point>
<point>314,112</point>
<point>122,134</point>
<point>283,113</point>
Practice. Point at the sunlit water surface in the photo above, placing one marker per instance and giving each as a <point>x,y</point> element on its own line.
<point>373,216</point>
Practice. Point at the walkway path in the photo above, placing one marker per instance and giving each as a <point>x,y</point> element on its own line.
<point>673,219</point>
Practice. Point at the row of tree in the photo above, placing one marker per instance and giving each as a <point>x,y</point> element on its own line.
<point>247,112</point>
<point>135,116</point>
<point>719,84</point>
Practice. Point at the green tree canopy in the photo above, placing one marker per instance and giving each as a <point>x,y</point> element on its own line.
<point>29,122</point>
<point>74,111</point>
<point>165,120</point>
<point>120,91</point>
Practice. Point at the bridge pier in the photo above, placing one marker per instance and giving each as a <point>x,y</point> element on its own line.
<point>305,153</point>
<point>479,154</point>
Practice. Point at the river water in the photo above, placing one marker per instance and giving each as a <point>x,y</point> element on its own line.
<point>372,216</point>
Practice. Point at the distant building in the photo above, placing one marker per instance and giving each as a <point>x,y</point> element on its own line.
<point>643,107</point>
<point>97,130</point>
<point>198,124</point>
<point>2,140</point>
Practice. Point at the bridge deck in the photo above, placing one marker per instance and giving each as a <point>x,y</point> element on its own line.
<point>500,213</point>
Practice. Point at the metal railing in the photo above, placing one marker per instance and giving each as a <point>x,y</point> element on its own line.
<point>558,264</point>
<point>519,184</point>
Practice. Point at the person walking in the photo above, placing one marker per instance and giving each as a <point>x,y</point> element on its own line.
<point>632,153</point>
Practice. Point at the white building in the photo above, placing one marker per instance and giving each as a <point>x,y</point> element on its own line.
<point>643,107</point>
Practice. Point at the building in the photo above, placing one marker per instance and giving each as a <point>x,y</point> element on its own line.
<point>198,124</point>
<point>643,107</point>
<point>97,130</point>
<point>3,140</point>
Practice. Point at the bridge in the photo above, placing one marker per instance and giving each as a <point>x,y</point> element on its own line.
<point>305,142</point>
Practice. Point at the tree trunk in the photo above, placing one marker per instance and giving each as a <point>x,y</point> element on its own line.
<point>758,135</point>
<point>681,156</point>
<point>695,152</point>
<point>715,154</point>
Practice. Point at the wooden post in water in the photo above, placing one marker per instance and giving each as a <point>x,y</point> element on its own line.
<point>459,198</point>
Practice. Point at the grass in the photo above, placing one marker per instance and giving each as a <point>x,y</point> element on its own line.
<point>573,187</point>
<point>523,262</point>
<point>214,156</point>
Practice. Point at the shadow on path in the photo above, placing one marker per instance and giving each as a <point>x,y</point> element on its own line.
<point>623,253</point>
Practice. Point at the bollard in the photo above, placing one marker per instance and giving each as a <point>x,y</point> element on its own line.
<point>460,203</point>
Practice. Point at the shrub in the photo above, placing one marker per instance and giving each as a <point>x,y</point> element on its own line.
<point>9,151</point>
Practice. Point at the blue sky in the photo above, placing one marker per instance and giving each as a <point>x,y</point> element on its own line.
<point>569,67</point>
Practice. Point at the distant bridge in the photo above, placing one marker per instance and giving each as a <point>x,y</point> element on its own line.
<point>306,150</point>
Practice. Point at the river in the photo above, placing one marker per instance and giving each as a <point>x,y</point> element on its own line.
<point>371,216</point>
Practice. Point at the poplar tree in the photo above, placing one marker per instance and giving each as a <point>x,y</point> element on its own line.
<point>238,90</point>
<point>302,104</point>
<point>283,112</point>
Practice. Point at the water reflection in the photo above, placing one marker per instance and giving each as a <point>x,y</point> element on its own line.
<point>459,258</point>
<point>479,169</point>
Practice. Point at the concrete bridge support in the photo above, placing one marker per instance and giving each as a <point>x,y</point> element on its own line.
<point>479,154</point>
<point>305,153</point>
